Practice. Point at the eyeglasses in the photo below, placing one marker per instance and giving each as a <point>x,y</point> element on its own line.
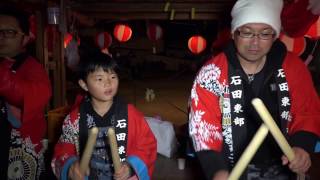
<point>9,33</point>
<point>261,35</point>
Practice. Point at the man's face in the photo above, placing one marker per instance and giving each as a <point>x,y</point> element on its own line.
<point>11,37</point>
<point>253,41</point>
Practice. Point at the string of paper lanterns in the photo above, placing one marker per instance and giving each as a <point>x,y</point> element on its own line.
<point>123,33</point>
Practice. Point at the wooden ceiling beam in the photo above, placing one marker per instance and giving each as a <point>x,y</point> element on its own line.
<point>154,16</point>
<point>152,7</point>
<point>120,10</point>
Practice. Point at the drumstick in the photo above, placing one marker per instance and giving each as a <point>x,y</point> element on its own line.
<point>273,128</point>
<point>86,156</point>
<point>114,149</point>
<point>249,152</point>
<point>275,131</point>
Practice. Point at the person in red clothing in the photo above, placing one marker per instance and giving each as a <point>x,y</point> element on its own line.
<point>103,108</point>
<point>25,91</point>
<point>254,64</point>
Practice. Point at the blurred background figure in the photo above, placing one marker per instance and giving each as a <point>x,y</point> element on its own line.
<point>25,91</point>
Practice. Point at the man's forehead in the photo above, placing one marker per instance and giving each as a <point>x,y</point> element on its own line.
<point>256,26</point>
<point>8,21</point>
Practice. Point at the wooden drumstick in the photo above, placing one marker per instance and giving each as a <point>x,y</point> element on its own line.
<point>86,156</point>
<point>249,152</point>
<point>275,131</point>
<point>114,149</point>
<point>273,128</point>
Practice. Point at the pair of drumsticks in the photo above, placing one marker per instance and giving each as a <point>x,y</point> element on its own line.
<point>91,142</point>
<point>267,125</point>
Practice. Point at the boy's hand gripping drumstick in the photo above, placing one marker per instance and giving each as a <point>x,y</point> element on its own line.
<point>114,149</point>
<point>86,156</point>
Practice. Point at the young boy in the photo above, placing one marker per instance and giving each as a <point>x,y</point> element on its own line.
<point>102,108</point>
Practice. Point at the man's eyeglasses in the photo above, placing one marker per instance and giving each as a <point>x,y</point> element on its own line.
<point>9,33</point>
<point>261,35</point>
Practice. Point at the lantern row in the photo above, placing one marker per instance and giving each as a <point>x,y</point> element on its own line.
<point>123,33</point>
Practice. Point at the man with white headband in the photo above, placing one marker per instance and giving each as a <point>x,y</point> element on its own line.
<point>254,64</point>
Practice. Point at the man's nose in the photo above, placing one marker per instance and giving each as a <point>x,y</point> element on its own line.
<point>255,39</point>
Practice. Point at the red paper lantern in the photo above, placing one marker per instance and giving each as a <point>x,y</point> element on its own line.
<point>67,39</point>
<point>103,40</point>
<point>122,32</point>
<point>295,45</point>
<point>197,44</point>
<point>154,32</point>
<point>314,30</point>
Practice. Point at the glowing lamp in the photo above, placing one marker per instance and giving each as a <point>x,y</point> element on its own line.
<point>67,39</point>
<point>122,32</point>
<point>197,44</point>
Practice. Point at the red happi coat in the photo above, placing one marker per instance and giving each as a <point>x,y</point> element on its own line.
<point>212,83</point>
<point>141,142</point>
<point>26,90</point>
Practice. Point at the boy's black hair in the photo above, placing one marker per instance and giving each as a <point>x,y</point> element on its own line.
<point>21,16</point>
<point>95,60</point>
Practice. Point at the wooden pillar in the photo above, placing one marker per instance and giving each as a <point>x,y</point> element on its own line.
<point>58,70</point>
<point>40,37</point>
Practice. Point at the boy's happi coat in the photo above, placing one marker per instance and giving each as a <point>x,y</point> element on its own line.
<point>136,142</point>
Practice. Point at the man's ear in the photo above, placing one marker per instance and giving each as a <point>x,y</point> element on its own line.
<point>83,85</point>
<point>232,36</point>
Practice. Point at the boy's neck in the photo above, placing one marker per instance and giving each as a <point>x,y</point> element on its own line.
<point>101,108</point>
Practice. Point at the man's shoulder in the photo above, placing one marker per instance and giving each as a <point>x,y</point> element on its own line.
<point>218,60</point>
<point>134,112</point>
<point>32,63</point>
<point>292,61</point>
<point>33,60</point>
<point>132,108</point>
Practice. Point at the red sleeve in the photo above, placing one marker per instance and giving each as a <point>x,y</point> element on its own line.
<point>141,141</point>
<point>205,126</point>
<point>305,106</point>
<point>66,147</point>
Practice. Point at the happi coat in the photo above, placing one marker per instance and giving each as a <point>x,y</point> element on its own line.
<point>25,91</point>
<point>136,142</point>
<point>218,100</point>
